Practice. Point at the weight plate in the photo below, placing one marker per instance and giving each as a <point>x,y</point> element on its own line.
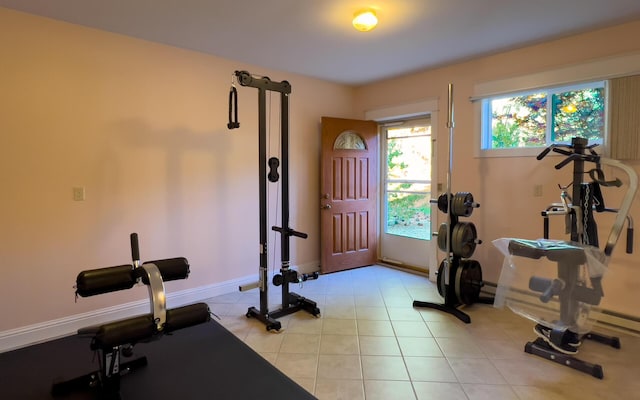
<point>455,208</point>
<point>463,239</point>
<point>442,237</point>
<point>442,203</point>
<point>440,279</point>
<point>462,204</point>
<point>456,285</point>
<point>469,281</point>
<point>458,206</point>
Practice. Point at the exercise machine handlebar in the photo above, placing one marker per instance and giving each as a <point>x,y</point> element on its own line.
<point>559,148</point>
<point>135,250</point>
<point>289,232</point>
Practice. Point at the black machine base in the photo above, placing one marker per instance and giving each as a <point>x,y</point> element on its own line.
<point>612,341</point>
<point>296,303</point>
<point>453,310</point>
<point>443,307</point>
<point>107,388</point>
<point>266,319</point>
<point>540,348</point>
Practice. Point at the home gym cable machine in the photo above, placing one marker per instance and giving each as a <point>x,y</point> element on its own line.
<point>564,288</point>
<point>459,279</point>
<point>291,302</point>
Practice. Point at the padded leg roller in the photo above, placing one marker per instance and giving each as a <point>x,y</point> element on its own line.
<point>142,328</point>
<point>110,279</point>
<point>172,269</point>
<point>184,317</point>
<point>104,280</point>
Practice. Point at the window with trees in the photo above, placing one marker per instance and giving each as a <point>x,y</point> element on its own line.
<point>539,118</point>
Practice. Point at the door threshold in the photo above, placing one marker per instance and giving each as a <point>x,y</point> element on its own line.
<point>387,262</point>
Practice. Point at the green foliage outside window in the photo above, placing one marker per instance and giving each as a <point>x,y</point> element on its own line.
<point>408,206</point>
<point>523,121</point>
<point>578,113</point>
<point>403,207</point>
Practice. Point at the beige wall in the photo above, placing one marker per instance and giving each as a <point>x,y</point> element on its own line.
<point>142,127</point>
<point>504,186</point>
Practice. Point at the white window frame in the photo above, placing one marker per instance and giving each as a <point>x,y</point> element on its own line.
<point>591,71</point>
<point>385,181</point>
<point>487,117</point>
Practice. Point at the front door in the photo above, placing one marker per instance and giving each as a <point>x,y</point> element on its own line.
<point>349,192</point>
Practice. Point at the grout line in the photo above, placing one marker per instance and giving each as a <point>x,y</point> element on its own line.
<point>377,279</point>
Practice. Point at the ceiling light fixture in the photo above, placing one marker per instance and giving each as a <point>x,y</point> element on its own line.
<point>365,20</point>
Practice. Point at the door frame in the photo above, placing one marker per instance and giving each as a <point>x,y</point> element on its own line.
<point>393,246</point>
<point>412,111</point>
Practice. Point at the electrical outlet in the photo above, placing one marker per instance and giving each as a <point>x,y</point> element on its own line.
<point>537,190</point>
<point>78,194</point>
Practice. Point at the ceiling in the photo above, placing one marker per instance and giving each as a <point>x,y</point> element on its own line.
<point>315,37</point>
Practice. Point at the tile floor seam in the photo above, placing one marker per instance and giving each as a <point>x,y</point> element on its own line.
<point>499,352</point>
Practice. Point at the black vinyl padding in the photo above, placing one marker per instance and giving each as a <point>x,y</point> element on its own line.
<point>143,327</point>
<point>131,330</point>
<point>111,279</point>
<point>171,269</point>
<point>104,280</point>
<point>186,316</point>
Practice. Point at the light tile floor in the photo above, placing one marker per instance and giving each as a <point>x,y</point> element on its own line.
<point>370,343</point>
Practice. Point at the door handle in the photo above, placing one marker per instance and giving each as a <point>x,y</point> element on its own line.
<point>325,207</point>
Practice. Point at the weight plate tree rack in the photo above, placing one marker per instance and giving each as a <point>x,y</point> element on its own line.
<point>459,279</point>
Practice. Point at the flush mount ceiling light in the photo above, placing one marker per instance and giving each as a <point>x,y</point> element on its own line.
<point>365,20</point>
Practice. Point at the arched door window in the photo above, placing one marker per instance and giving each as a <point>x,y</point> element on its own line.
<point>349,140</point>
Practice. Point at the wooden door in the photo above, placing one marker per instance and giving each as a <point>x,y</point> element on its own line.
<point>349,192</point>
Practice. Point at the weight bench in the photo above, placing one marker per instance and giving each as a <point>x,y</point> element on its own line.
<point>116,339</point>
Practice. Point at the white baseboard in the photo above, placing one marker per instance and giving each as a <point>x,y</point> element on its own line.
<point>37,333</point>
<point>42,332</point>
<point>607,319</point>
<point>309,267</point>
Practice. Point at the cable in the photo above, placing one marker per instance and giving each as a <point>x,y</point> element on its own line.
<point>277,202</point>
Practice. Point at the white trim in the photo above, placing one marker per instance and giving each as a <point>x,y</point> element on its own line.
<point>41,332</point>
<point>607,319</point>
<point>404,111</point>
<point>602,69</point>
<point>309,267</point>
<point>409,110</point>
<point>598,70</point>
